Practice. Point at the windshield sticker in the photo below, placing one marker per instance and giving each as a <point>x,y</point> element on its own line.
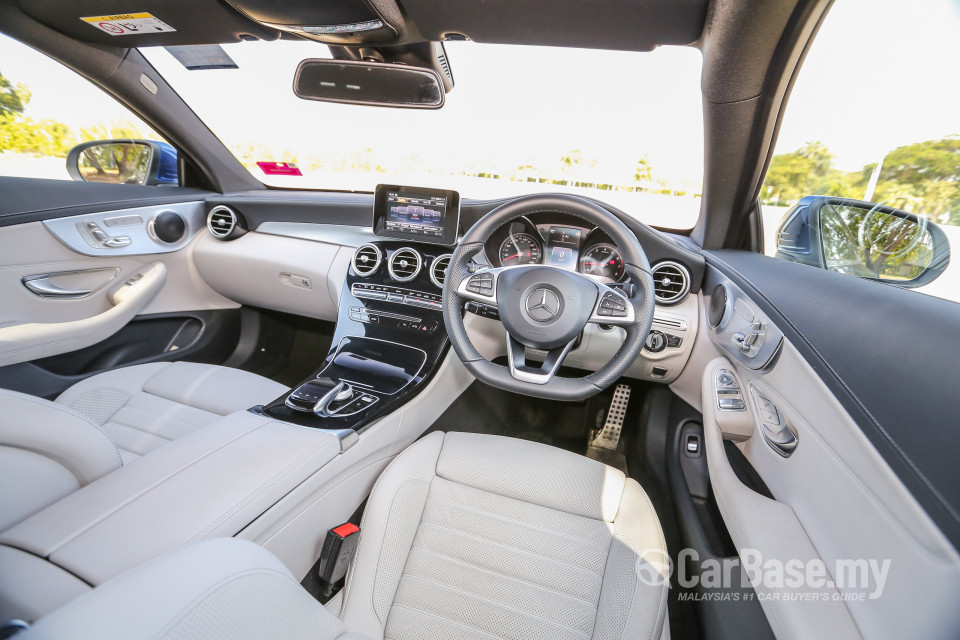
<point>202,57</point>
<point>279,168</point>
<point>128,24</point>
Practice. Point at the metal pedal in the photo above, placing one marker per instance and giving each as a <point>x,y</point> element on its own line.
<point>609,436</point>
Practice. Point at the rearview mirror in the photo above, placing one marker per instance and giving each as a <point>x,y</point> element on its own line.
<point>863,239</point>
<point>140,162</point>
<point>369,83</point>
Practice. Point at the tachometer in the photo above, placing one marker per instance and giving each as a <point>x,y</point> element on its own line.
<point>602,260</point>
<point>520,248</point>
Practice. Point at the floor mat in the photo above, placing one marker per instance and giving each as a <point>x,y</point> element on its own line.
<point>485,409</point>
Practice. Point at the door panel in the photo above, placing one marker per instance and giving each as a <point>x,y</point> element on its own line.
<point>198,336</point>
<point>887,355</point>
<point>836,497</point>
<point>56,299</point>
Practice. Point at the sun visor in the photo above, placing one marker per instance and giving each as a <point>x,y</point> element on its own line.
<point>140,23</point>
<point>598,24</point>
<point>342,22</point>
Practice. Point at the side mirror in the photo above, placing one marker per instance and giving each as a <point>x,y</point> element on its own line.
<point>863,239</point>
<point>142,162</point>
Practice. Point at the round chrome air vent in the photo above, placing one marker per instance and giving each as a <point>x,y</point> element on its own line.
<point>367,259</point>
<point>405,264</point>
<point>438,269</point>
<point>221,221</point>
<point>671,282</point>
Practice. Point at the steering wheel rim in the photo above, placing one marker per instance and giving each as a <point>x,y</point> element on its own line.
<point>510,285</point>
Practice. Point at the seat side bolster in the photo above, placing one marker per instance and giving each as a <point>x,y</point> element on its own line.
<point>633,600</point>
<point>223,588</point>
<point>389,525</point>
<point>58,433</point>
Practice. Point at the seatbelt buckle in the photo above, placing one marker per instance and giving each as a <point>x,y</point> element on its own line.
<point>337,552</point>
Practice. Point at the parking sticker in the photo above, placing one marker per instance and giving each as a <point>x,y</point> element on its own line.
<point>128,24</point>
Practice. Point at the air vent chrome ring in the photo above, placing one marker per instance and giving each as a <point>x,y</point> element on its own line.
<point>671,282</point>
<point>438,269</point>
<point>367,259</point>
<point>221,221</point>
<point>405,264</point>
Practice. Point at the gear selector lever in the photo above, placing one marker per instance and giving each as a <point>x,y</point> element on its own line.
<point>320,395</point>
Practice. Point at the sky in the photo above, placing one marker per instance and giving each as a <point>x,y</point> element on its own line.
<point>880,75</point>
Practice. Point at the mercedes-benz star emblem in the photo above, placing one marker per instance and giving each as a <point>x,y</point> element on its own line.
<point>543,305</point>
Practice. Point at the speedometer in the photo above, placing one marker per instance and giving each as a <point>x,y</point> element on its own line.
<point>520,248</point>
<point>602,260</point>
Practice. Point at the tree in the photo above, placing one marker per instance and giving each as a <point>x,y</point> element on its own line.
<point>806,171</point>
<point>643,173</point>
<point>928,174</point>
<point>13,98</point>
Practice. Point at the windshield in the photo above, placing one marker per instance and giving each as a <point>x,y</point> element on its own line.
<point>622,127</point>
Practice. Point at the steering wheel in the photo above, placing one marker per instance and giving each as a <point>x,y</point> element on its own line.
<point>545,307</point>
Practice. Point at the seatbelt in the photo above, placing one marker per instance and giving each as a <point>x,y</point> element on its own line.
<point>336,554</point>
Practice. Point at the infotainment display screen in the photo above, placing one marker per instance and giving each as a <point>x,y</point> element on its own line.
<point>415,213</point>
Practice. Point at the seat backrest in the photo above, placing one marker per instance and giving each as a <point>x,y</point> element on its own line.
<point>218,589</point>
<point>47,451</point>
<point>474,536</point>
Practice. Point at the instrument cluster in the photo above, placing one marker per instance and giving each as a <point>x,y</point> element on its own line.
<point>557,242</point>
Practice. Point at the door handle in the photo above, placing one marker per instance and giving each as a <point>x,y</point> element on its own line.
<point>43,287</point>
<point>783,441</point>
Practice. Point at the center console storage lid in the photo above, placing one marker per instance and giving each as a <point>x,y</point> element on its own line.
<point>213,482</point>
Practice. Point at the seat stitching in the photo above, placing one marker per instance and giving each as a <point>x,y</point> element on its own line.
<point>504,546</point>
<point>633,602</point>
<point>124,392</point>
<point>518,522</point>
<point>178,403</point>
<point>451,622</point>
<point>600,593</point>
<point>193,604</point>
<point>505,576</point>
<point>74,413</point>
<point>135,429</point>
<point>174,402</point>
<point>376,569</point>
<point>162,417</point>
<point>498,604</point>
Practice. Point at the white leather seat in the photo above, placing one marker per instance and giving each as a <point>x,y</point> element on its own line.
<point>146,406</point>
<point>464,536</point>
<point>50,449</point>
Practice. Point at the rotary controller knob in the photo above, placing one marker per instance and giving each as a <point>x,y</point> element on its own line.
<point>656,341</point>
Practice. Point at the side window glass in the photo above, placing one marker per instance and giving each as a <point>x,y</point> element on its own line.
<point>861,183</point>
<point>57,125</point>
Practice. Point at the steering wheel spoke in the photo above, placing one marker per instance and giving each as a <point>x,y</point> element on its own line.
<point>612,307</point>
<point>517,358</point>
<point>481,286</point>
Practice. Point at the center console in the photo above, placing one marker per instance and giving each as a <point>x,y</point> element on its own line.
<point>390,337</point>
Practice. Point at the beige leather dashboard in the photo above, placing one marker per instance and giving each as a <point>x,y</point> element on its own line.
<point>300,268</point>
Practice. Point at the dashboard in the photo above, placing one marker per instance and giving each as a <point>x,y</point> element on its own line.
<point>558,240</point>
<point>335,265</point>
